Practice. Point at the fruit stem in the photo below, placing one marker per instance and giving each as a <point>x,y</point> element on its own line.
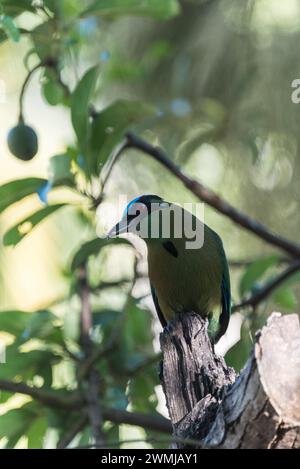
<point>23,89</point>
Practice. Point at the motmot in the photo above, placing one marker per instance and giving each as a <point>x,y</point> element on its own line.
<point>185,275</point>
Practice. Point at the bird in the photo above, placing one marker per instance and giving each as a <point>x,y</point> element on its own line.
<point>183,277</point>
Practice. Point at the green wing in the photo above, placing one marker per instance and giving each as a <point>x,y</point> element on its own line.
<point>225,293</point>
<point>226,303</point>
<point>157,307</point>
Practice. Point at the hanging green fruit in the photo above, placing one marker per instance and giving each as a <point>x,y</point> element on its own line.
<point>22,142</point>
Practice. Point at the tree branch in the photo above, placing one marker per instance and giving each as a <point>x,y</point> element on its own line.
<point>148,421</point>
<point>208,196</point>
<point>75,401</point>
<point>267,289</point>
<point>212,199</point>
<point>241,263</point>
<point>49,398</point>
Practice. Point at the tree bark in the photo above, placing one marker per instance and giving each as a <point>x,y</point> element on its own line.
<point>208,402</point>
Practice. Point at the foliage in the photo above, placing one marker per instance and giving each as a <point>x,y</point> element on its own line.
<point>46,348</point>
<point>42,342</point>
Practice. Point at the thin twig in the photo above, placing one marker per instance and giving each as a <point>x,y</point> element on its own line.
<point>49,398</point>
<point>70,435</point>
<point>241,263</point>
<point>70,354</point>
<point>48,62</point>
<point>118,283</point>
<point>75,401</point>
<point>23,89</point>
<point>148,421</point>
<point>267,289</point>
<point>86,315</point>
<point>105,173</point>
<point>113,284</point>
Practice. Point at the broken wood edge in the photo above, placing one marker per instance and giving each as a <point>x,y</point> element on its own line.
<point>244,411</point>
<point>278,355</point>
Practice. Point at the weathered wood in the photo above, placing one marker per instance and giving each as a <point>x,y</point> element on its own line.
<point>260,408</point>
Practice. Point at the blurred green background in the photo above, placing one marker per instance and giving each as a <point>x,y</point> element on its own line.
<point>208,81</point>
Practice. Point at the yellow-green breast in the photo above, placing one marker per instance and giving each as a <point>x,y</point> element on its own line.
<point>190,280</point>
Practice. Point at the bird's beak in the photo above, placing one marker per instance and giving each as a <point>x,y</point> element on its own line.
<point>119,228</point>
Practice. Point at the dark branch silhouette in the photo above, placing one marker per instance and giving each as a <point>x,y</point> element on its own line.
<point>74,401</point>
<point>268,288</point>
<point>211,198</point>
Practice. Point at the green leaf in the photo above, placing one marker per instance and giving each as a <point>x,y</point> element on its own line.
<point>10,28</point>
<point>112,433</point>
<point>36,432</point>
<point>92,248</point>
<point>59,171</point>
<point>137,329</point>
<point>105,317</point>
<point>141,391</point>
<point>66,9</point>
<point>14,423</point>
<point>15,234</point>
<point>25,365</point>
<point>285,297</point>
<point>46,374</point>
<point>55,6</point>
<point>86,437</point>
<point>4,396</point>
<point>55,417</point>
<point>135,342</point>
<point>25,326</point>
<point>41,326</point>
<point>53,93</point>
<point>16,7</point>
<point>3,36</point>
<point>16,190</point>
<point>116,397</point>
<point>110,125</point>
<point>71,326</point>
<point>160,9</point>
<point>14,322</point>
<point>255,271</point>
<point>239,353</point>
<point>80,103</point>
<point>46,42</point>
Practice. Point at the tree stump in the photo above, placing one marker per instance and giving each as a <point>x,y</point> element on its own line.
<point>208,402</point>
